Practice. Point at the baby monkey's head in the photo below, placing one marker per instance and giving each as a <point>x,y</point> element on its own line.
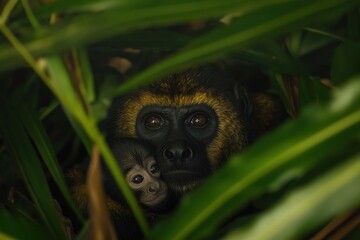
<point>136,159</point>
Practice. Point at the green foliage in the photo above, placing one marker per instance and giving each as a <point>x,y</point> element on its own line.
<point>56,87</point>
<point>346,62</point>
<point>21,149</point>
<point>297,210</point>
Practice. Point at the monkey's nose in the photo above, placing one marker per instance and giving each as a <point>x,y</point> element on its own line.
<point>177,152</point>
<point>152,190</point>
<point>154,187</point>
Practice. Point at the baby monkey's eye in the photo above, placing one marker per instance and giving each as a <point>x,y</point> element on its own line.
<point>137,179</point>
<point>154,168</point>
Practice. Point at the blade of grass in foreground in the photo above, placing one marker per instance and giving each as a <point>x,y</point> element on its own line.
<point>16,226</point>
<point>245,30</point>
<point>86,29</point>
<point>21,148</point>
<point>41,141</point>
<point>308,207</point>
<point>246,176</point>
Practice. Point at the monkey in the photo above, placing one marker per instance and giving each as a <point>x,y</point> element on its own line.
<point>196,119</point>
<point>137,162</point>
<point>142,173</point>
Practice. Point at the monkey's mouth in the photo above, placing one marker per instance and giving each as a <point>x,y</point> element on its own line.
<point>155,199</point>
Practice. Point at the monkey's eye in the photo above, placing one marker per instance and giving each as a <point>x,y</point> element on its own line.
<point>154,168</point>
<point>137,179</point>
<point>153,121</point>
<point>199,120</point>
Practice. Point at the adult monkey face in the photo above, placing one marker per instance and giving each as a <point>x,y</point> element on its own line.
<point>195,119</point>
<point>181,134</point>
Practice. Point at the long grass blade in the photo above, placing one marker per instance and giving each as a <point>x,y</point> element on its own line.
<point>308,207</point>
<point>16,226</point>
<point>37,133</point>
<point>86,30</point>
<point>246,30</point>
<point>22,150</point>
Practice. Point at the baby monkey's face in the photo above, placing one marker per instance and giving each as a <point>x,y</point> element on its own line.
<point>145,180</point>
<point>137,161</point>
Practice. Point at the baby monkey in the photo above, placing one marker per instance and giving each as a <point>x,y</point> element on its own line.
<point>136,159</point>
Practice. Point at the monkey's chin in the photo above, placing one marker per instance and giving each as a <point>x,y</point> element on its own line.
<point>184,188</point>
<point>155,200</point>
<point>182,181</point>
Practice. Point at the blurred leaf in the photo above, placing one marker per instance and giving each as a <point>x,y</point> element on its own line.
<point>279,83</point>
<point>308,207</point>
<point>90,28</point>
<point>83,6</point>
<point>79,132</point>
<point>63,83</point>
<point>345,63</point>
<point>311,42</point>
<point>7,170</point>
<point>45,111</point>
<point>271,57</point>
<point>20,147</point>
<point>250,174</point>
<point>104,96</point>
<point>67,96</point>
<point>311,90</point>
<point>83,234</point>
<point>38,135</point>
<point>245,30</point>
<point>16,226</point>
<point>147,39</point>
<point>86,75</point>
<point>354,24</point>
<point>4,236</point>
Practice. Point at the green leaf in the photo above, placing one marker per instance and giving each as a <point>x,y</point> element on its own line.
<point>104,96</point>
<point>251,173</point>
<point>84,232</point>
<point>271,57</point>
<point>354,24</point>
<point>245,30</point>
<point>308,207</point>
<point>38,135</point>
<point>345,63</point>
<point>80,132</point>
<point>90,28</point>
<point>311,90</point>
<point>16,226</point>
<point>86,75</point>
<point>147,39</point>
<point>20,147</point>
<point>64,90</point>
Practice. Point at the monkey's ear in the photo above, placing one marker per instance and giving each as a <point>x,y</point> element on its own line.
<point>243,100</point>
